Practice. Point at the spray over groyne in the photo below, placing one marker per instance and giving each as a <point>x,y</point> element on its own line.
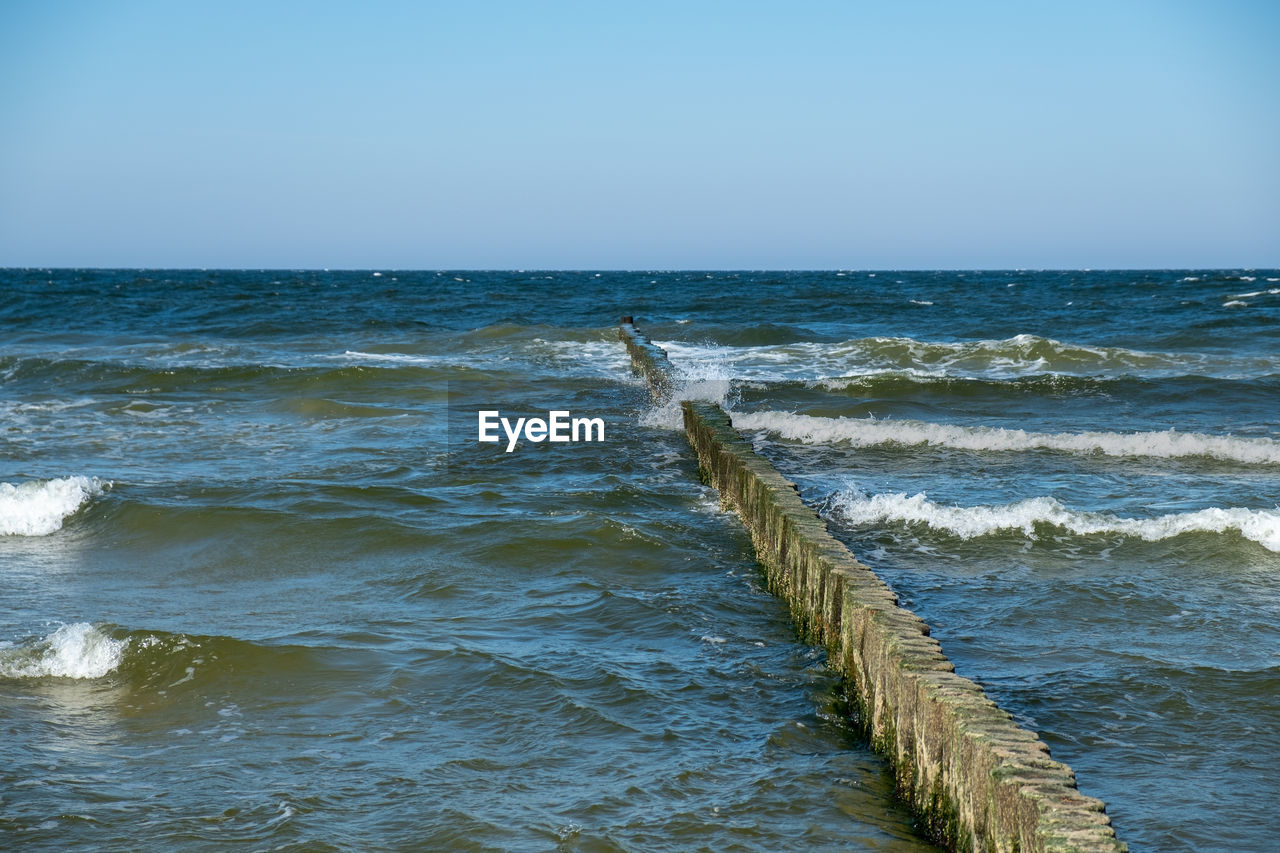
<point>976,780</point>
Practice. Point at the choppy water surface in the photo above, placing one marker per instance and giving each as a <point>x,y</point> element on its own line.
<point>260,588</point>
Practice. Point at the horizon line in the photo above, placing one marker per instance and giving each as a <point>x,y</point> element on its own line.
<point>613,270</point>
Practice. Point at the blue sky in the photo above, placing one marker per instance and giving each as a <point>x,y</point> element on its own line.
<point>626,135</point>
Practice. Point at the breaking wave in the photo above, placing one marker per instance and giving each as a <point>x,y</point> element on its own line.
<point>1010,358</point>
<point>856,507</point>
<point>38,507</point>
<point>596,358</point>
<point>709,380</point>
<point>153,662</point>
<point>78,650</point>
<point>868,432</point>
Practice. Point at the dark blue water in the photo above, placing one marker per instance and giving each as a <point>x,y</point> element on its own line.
<point>262,587</point>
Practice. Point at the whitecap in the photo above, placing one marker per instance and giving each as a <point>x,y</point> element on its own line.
<point>38,507</point>
<point>869,432</point>
<point>856,507</point>
<point>400,357</point>
<point>77,650</point>
<point>1019,356</point>
<point>605,358</point>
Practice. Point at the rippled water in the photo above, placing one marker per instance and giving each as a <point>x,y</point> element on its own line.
<point>262,586</point>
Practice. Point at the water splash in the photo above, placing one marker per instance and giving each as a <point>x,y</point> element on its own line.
<point>77,650</point>
<point>38,507</point>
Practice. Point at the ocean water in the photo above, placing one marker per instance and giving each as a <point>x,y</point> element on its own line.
<point>263,588</point>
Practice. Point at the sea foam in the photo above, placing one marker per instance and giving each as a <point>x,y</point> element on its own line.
<point>78,650</point>
<point>38,507</point>
<point>393,357</point>
<point>670,415</point>
<point>868,432</point>
<point>706,380</point>
<point>1007,359</point>
<point>856,507</point>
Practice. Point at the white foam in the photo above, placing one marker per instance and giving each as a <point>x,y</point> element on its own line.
<point>856,507</point>
<point>595,358</point>
<point>869,432</point>
<point>1010,358</point>
<point>395,357</point>
<point>11,409</point>
<point>669,415</point>
<point>600,358</point>
<point>78,650</point>
<point>38,507</point>
<point>707,380</point>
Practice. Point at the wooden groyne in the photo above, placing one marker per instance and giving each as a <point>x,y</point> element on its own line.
<point>975,779</point>
<point>649,360</point>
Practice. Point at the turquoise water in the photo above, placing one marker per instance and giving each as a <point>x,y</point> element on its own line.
<point>262,587</point>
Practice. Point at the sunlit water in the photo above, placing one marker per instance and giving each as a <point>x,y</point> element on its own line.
<point>262,587</point>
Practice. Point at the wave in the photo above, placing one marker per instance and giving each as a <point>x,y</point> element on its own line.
<point>108,377</point>
<point>892,384</point>
<point>95,372</point>
<point>38,507</point>
<point>607,358</point>
<point>394,357</point>
<point>708,389</point>
<point>856,507</point>
<point>153,662</point>
<point>868,432</point>
<point>572,354</point>
<point>1010,358</point>
<point>78,650</point>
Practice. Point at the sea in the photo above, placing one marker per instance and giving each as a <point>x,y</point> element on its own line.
<point>262,587</point>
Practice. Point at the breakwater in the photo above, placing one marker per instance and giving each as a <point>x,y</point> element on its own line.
<point>976,780</point>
